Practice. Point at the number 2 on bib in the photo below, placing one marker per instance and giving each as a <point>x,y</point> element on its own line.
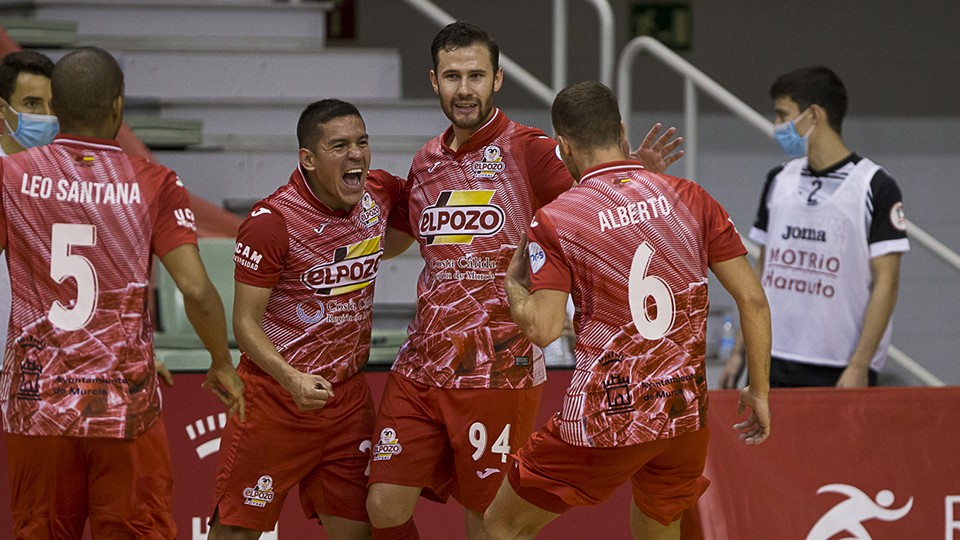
<point>643,286</point>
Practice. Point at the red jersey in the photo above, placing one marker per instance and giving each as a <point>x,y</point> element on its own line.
<point>80,222</point>
<point>467,209</point>
<point>320,265</point>
<point>633,248</point>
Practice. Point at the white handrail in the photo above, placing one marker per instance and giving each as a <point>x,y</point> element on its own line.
<point>523,77</point>
<point>695,79</point>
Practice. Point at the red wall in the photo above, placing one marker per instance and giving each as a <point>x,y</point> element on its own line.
<point>896,446</point>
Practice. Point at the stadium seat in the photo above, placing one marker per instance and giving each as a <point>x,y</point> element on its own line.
<point>173,327</point>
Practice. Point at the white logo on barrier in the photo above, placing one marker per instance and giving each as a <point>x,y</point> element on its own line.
<point>848,516</point>
<point>204,426</point>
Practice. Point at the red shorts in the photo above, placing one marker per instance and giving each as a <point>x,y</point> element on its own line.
<point>667,474</point>
<point>125,485</point>
<point>450,441</point>
<point>326,452</point>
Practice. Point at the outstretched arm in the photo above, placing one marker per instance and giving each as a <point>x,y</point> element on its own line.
<point>657,153</point>
<point>205,312</point>
<point>736,276</point>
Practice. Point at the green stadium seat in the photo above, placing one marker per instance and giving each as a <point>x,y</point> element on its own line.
<point>173,328</point>
<point>166,133</point>
<point>33,33</point>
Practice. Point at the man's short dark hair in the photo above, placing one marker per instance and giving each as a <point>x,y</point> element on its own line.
<point>460,34</point>
<point>85,83</point>
<point>19,62</point>
<point>310,126</point>
<point>588,114</point>
<point>814,85</point>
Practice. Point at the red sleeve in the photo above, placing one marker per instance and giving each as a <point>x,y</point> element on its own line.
<point>400,211</point>
<point>548,266</point>
<point>175,223</point>
<point>262,244</point>
<point>391,188</point>
<point>548,175</point>
<point>723,240</point>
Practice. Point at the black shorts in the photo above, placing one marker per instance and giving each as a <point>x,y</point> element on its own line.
<point>789,374</point>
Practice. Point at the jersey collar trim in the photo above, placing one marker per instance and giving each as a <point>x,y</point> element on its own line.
<point>480,138</point>
<point>299,180</point>
<point>88,142</point>
<point>612,167</point>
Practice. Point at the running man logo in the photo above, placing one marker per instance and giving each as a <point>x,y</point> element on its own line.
<point>353,268</point>
<point>204,426</point>
<point>848,516</point>
<point>458,216</point>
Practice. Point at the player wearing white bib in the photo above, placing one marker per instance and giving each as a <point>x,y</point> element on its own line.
<point>832,230</point>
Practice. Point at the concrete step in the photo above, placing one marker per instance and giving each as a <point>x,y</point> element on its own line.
<point>258,74</point>
<point>141,18</point>
<point>278,116</point>
<point>248,169</point>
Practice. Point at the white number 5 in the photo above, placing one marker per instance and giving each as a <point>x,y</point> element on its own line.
<point>63,265</point>
<point>642,287</point>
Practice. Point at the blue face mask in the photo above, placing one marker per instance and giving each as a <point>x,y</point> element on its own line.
<point>33,129</point>
<point>791,142</point>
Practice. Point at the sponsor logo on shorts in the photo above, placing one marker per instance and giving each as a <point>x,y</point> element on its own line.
<point>487,472</point>
<point>262,494</point>
<point>491,164</point>
<point>521,361</point>
<point>388,446</point>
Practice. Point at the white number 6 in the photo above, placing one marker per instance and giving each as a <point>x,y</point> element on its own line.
<point>642,287</point>
<point>63,265</point>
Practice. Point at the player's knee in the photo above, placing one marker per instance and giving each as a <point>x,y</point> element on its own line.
<point>498,526</point>
<point>384,511</point>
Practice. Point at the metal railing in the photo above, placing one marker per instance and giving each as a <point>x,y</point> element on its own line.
<point>695,80</point>
<point>523,77</point>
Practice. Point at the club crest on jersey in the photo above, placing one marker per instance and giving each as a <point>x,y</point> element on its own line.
<point>371,212</point>
<point>491,164</point>
<point>388,446</point>
<point>262,494</point>
<point>353,268</point>
<point>460,215</point>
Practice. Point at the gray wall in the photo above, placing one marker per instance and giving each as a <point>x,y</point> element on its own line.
<point>897,57</point>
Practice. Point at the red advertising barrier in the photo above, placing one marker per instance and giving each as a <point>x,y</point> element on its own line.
<point>886,464</point>
<point>862,463</point>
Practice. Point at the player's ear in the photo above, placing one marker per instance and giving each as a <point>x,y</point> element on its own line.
<point>498,79</point>
<point>434,82</point>
<point>308,160</point>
